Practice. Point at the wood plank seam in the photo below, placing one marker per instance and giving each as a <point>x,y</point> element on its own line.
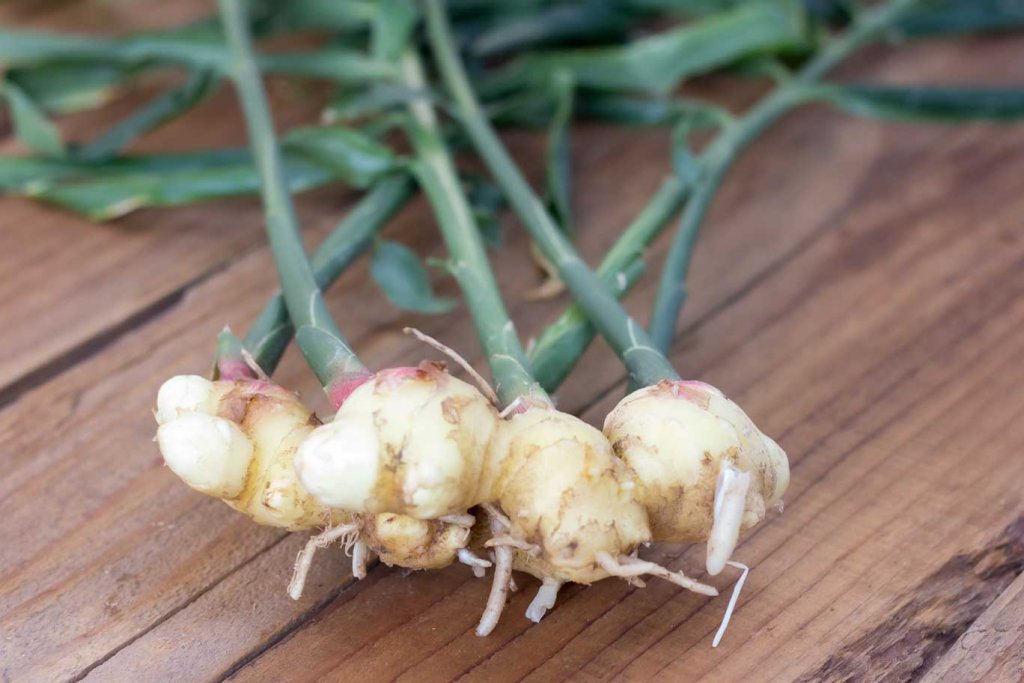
<point>170,613</point>
<point>90,346</point>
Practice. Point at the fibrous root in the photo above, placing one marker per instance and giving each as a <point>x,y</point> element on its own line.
<point>305,559</point>
<point>628,567</point>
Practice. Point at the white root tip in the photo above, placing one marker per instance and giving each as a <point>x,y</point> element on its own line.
<point>359,556</point>
<point>730,504</point>
<point>502,576</point>
<point>182,395</point>
<point>733,599</point>
<point>477,563</point>
<point>209,453</point>
<point>338,463</point>
<point>303,562</point>
<point>544,600</point>
<point>499,591</point>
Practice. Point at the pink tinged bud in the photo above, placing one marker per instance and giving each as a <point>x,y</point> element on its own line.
<point>339,390</point>
<point>232,370</point>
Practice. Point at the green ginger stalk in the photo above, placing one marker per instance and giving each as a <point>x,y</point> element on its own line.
<point>709,472</point>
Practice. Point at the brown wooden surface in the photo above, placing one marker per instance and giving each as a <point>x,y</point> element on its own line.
<point>858,290</point>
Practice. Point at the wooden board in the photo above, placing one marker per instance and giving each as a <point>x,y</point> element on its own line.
<point>859,289</point>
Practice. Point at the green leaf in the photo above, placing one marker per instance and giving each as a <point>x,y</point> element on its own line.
<point>490,227</point>
<point>558,157</point>
<point>354,157</point>
<point>949,105</point>
<point>102,191</point>
<point>661,62</point>
<point>373,99</point>
<point>684,162</point>
<point>648,111</point>
<point>487,201</point>
<point>320,15</point>
<point>30,122</point>
<point>32,174</point>
<point>150,116</point>
<point>392,28</point>
<point>65,87</point>
<point>952,17</point>
<point>200,50</point>
<point>404,280</point>
<point>557,24</point>
<point>332,64</point>
<point>114,195</point>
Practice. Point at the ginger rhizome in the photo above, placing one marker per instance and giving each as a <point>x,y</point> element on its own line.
<point>421,443</point>
<point>705,471</point>
<point>236,440</point>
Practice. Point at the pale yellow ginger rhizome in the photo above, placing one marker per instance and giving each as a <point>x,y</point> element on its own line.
<point>427,445</point>
<point>704,470</point>
<point>236,441</point>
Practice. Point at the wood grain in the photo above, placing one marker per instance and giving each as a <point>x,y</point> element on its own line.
<point>860,290</point>
<point>992,648</point>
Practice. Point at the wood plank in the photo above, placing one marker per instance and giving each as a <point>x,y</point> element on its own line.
<point>992,649</point>
<point>915,327</point>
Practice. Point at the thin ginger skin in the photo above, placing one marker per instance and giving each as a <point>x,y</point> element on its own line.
<point>676,436</point>
<point>269,423</point>
<point>434,445</point>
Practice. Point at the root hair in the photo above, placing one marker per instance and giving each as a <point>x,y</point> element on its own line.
<point>627,567</point>
<point>485,387</point>
<point>305,558</point>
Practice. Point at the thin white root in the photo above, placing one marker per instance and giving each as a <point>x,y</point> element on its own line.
<point>544,600</point>
<point>507,540</point>
<point>359,556</point>
<point>732,601</point>
<point>627,567</point>
<point>475,562</point>
<point>499,587</point>
<point>466,520</point>
<point>497,515</point>
<point>485,387</point>
<point>730,503</point>
<point>305,559</point>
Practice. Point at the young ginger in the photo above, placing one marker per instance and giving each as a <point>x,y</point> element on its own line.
<point>705,471</point>
<point>426,445</point>
<point>236,440</point>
